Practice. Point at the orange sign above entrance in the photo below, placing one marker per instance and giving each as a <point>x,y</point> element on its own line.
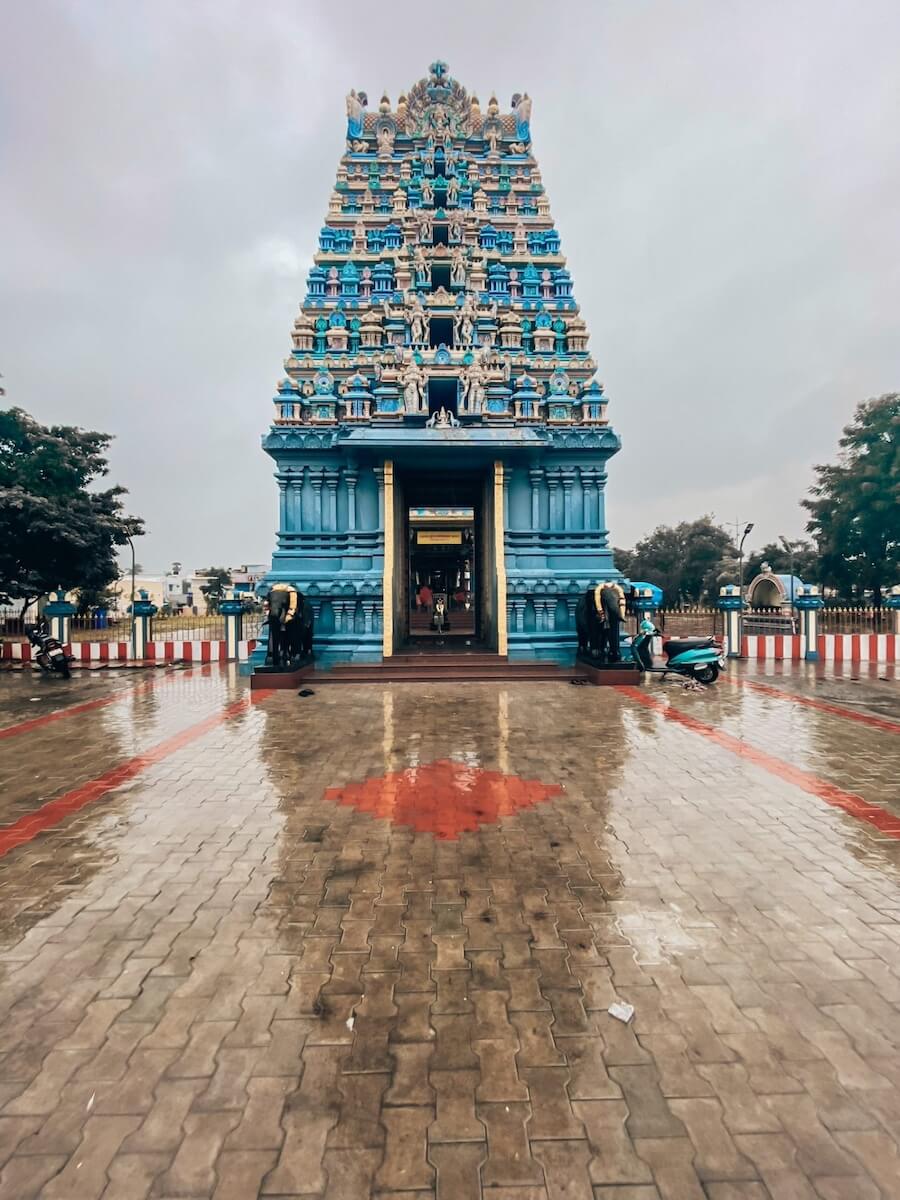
<point>439,537</point>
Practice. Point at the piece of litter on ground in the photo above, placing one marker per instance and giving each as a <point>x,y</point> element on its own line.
<point>349,1022</point>
<point>33,699</point>
<point>622,1012</point>
<point>90,1103</point>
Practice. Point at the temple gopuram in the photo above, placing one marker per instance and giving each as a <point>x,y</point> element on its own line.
<point>440,437</point>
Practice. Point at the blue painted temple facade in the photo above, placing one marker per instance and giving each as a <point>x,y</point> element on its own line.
<point>440,366</point>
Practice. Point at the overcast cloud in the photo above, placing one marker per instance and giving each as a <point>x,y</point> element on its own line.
<point>724,175</point>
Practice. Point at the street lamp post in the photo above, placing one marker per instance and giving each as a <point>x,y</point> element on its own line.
<point>133,643</point>
<point>789,546</point>
<point>747,531</point>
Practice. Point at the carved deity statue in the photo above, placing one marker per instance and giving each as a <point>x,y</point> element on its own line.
<point>464,322</point>
<point>385,139</point>
<point>419,321</point>
<point>356,116</point>
<point>427,193</point>
<point>452,192</point>
<point>413,381</point>
<point>425,228</point>
<point>522,108</point>
<point>493,140</point>
<point>421,267</point>
<point>458,268</point>
<point>456,231</point>
<point>473,394</point>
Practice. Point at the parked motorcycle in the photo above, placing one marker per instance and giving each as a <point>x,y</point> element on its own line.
<point>695,658</point>
<point>49,654</point>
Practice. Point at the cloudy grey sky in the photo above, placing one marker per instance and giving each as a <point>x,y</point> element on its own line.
<point>724,175</point>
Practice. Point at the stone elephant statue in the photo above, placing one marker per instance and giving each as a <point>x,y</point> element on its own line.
<point>599,614</point>
<point>290,624</point>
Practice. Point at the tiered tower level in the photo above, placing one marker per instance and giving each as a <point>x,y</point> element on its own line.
<point>439,338</point>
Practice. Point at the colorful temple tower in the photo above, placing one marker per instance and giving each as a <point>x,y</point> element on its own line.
<point>439,421</point>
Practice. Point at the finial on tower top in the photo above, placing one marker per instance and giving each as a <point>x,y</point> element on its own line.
<point>438,69</point>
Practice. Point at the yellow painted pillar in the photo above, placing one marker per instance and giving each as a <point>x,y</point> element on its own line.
<point>387,646</point>
<point>500,559</point>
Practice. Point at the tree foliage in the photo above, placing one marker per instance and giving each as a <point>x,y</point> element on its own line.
<point>217,580</point>
<point>685,560</point>
<point>56,530</point>
<point>854,504</point>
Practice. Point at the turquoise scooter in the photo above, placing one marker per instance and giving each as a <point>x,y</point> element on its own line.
<point>700,659</point>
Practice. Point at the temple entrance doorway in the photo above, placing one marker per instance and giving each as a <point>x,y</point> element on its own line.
<point>444,568</point>
<point>442,577</point>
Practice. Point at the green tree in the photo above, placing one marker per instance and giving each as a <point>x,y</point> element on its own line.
<point>56,530</point>
<point>217,580</point>
<point>854,504</point>
<point>685,560</point>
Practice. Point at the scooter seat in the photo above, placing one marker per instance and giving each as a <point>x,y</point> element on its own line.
<point>680,645</point>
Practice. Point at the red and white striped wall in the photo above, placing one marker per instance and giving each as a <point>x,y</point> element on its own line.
<point>91,652</point>
<point>832,647</point>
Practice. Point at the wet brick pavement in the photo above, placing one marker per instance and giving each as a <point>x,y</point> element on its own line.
<point>363,943</point>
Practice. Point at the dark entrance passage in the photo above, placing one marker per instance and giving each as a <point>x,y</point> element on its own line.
<point>445,577</point>
<point>442,591</point>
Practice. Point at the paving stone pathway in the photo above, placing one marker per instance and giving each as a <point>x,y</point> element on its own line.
<point>363,943</point>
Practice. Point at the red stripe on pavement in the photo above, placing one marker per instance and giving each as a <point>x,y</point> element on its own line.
<point>885,822</point>
<point>8,731</point>
<point>88,706</point>
<point>836,710</point>
<point>28,827</point>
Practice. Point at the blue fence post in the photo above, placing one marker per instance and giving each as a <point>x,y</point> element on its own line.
<point>142,625</point>
<point>808,601</point>
<point>893,603</point>
<point>59,613</point>
<point>731,604</point>
<point>232,609</point>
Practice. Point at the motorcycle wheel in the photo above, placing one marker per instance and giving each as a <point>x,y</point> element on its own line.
<point>64,669</point>
<point>707,674</point>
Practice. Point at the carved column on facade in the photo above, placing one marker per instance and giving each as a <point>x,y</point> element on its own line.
<point>553,485</point>
<point>567,477</point>
<point>332,478</point>
<point>536,475</point>
<point>550,615</point>
<point>588,480</point>
<point>295,501</point>
<point>601,505</point>
<point>338,610</point>
<point>351,475</point>
<point>379,476</point>
<point>368,616</point>
<point>282,502</point>
<point>507,476</point>
<point>571,605</point>
<point>519,615</point>
<point>316,478</point>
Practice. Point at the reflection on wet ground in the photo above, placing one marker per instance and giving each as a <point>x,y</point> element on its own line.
<point>364,942</point>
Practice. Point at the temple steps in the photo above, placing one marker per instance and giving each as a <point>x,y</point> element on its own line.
<point>448,668</point>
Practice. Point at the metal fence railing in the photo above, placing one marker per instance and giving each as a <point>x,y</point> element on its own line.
<point>188,628</point>
<point>252,625</point>
<point>692,621</point>
<point>837,618</point>
<point>764,621</point>
<point>99,627</point>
